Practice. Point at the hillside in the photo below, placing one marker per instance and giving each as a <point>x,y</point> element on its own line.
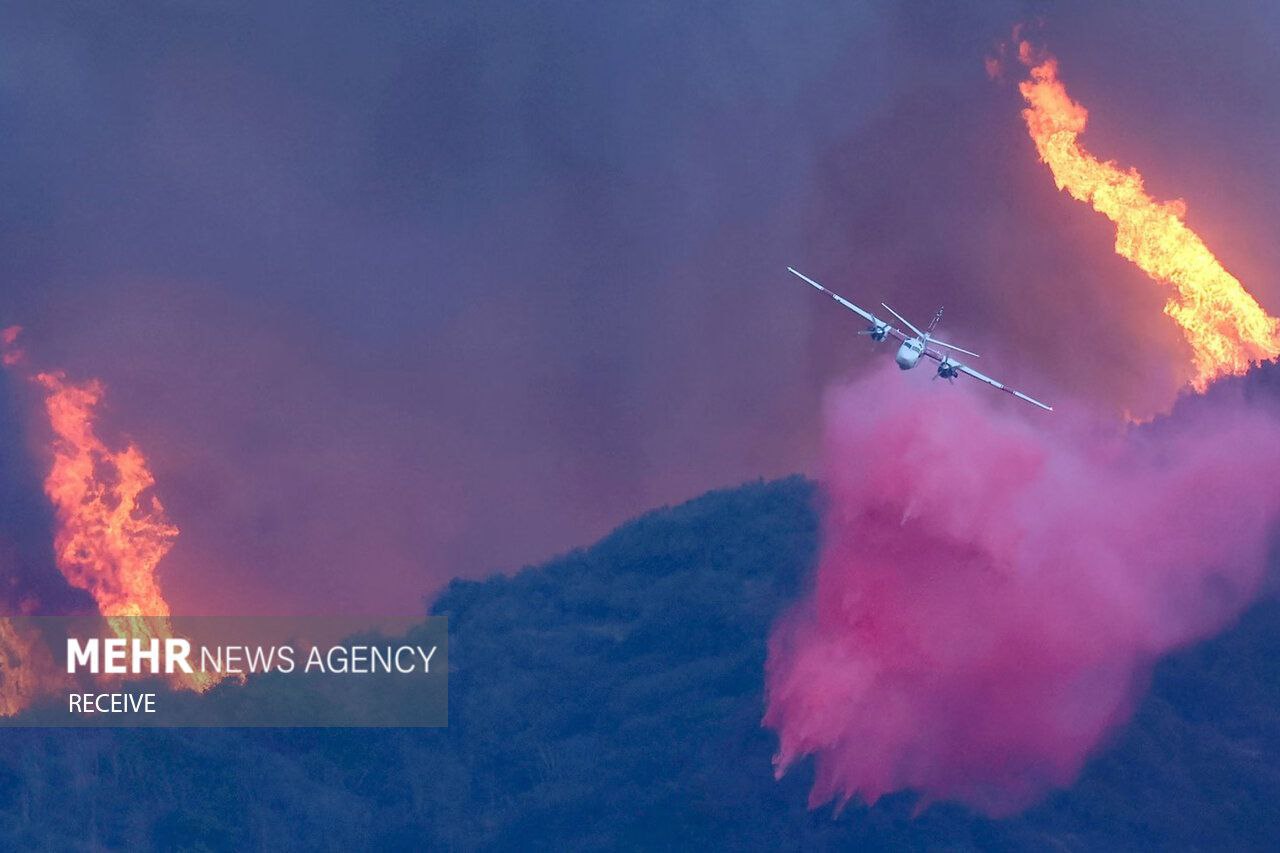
<point>612,697</point>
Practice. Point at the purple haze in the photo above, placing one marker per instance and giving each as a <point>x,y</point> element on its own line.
<point>392,293</point>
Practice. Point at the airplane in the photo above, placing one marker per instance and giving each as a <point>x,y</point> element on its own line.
<point>912,348</point>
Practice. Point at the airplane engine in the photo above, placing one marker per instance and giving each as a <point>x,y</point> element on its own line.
<point>947,370</point>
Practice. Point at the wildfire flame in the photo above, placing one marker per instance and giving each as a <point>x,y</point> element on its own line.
<point>1226,328</point>
<point>112,530</point>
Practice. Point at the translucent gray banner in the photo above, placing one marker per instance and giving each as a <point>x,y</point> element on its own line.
<point>224,671</point>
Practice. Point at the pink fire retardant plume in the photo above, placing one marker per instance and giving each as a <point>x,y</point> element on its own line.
<point>995,584</point>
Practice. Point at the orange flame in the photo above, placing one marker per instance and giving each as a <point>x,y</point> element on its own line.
<point>1226,328</point>
<point>112,532</point>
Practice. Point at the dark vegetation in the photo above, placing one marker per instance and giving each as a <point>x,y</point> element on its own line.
<point>612,698</point>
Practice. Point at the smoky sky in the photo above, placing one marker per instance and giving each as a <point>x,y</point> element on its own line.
<point>394,292</point>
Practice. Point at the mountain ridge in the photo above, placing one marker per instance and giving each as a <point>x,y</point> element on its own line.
<point>612,697</point>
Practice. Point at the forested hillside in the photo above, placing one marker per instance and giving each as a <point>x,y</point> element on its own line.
<point>612,697</point>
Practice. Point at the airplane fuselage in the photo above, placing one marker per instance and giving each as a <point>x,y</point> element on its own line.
<point>909,353</point>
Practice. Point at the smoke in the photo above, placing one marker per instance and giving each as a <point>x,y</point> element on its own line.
<point>993,589</point>
<point>372,282</point>
<point>391,294</point>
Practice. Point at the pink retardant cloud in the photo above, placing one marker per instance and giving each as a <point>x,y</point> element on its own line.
<point>995,584</point>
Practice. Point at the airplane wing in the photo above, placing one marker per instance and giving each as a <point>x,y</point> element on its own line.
<point>966,369</point>
<point>866,315</point>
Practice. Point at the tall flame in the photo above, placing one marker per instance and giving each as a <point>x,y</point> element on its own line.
<point>112,532</point>
<point>1226,328</point>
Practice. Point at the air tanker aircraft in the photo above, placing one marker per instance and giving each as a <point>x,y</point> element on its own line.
<point>914,347</point>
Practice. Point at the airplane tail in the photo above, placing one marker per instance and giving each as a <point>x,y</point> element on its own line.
<point>937,318</point>
<point>933,324</point>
